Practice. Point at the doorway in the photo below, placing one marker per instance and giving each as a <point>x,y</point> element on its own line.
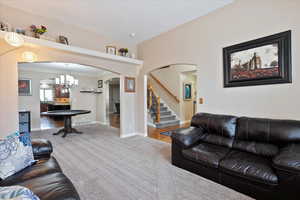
<point>171,99</point>
<point>114,102</point>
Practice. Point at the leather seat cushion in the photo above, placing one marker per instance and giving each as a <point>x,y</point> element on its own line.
<point>263,149</point>
<point>42,167</point>
<point>206,154</point>
<point>55,186</point>
<point>249,166</point>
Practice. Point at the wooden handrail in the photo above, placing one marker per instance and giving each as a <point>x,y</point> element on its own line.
<point>164,87</point>
<point>151,104</point>
<point>158,110</point>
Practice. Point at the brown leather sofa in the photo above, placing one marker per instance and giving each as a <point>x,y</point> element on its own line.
<point>45,178</point>
<point>257,157</point>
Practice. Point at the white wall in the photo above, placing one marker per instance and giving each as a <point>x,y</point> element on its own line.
<point>201,41</point>
<point>187,106</point>
<point>85,101</point>
<point>79,101</point>
<point>8,90</point>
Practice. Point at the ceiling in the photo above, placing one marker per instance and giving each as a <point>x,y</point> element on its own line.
<point>71,68</point>
<point>117,19</point>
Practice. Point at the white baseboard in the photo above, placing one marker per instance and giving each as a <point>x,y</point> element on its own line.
<point>128,135</point>
<point>151,124</point>
<point>102,123</point>
<point>36,129</point>
<point>133,134</point>
<point>185,122</point>
<point>142,134</point>
<point>89,122</point>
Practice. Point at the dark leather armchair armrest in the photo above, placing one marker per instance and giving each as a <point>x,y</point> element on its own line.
<point>187,137</point>
<point>288,159</point>
<point>41,148</point>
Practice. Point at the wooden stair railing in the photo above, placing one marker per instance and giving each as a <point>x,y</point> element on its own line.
<point>153,103</point>
<point>165,89</point>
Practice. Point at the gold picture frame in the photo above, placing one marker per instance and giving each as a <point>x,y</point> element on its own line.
<point>129,83</point>
<point>111,50</point>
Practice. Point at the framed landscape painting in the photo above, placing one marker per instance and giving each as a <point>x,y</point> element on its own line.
<point>259,62</point>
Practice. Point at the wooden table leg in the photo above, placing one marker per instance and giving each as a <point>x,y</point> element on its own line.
<point>68,127</point>
<point>76,131</point>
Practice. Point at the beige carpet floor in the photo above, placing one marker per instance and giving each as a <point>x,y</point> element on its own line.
<point>103,166</point>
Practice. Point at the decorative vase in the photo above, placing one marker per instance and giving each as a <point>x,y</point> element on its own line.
<point>37,35</point>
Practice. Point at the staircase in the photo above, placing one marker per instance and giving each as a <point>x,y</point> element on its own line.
<point>160,113</point>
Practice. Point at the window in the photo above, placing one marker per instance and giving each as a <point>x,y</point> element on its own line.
<point>46,94</point>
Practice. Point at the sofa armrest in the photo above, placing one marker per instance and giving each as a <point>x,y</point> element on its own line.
<point>187,137</point>
<point>288,159</point>
<point>41,148</point>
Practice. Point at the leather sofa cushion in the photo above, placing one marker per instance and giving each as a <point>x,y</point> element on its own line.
<point>218,140</point>
<point>42,167</point>
<point>206,154</point>
<point>268,130</point>
<point>288,159</point>
<point>249,166</point>
<point>187,137</point>
<point>222,125</point>
<point>55,186</point>
<point>257,148</point>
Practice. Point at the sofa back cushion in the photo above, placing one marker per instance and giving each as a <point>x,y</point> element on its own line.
<point>265,136</point>
<point>272,131</point>
<point>220,129</point>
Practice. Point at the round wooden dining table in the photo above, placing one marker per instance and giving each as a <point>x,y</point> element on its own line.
<point>67,114</point>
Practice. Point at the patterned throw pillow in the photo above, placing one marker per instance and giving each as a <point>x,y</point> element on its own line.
<point>15,154</point>
<point>17,193</point>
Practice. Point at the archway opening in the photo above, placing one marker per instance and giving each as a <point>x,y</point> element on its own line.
<point>172,93</point>
<point>46,87</point>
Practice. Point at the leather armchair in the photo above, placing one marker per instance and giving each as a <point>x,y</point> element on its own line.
<point>41,148</point>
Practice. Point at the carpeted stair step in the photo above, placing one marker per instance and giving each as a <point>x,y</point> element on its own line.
<point>162,108</point>
<point>167,118</point>
<point>163,113</point>
<point>164,124</point>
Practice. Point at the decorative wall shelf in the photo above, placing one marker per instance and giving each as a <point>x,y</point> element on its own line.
<point>90,92</point>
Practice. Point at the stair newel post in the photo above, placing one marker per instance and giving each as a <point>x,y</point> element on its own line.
<point>150,99</point>
<point>158,110</point>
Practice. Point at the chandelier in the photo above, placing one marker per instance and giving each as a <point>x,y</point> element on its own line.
<point>66,82</point>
